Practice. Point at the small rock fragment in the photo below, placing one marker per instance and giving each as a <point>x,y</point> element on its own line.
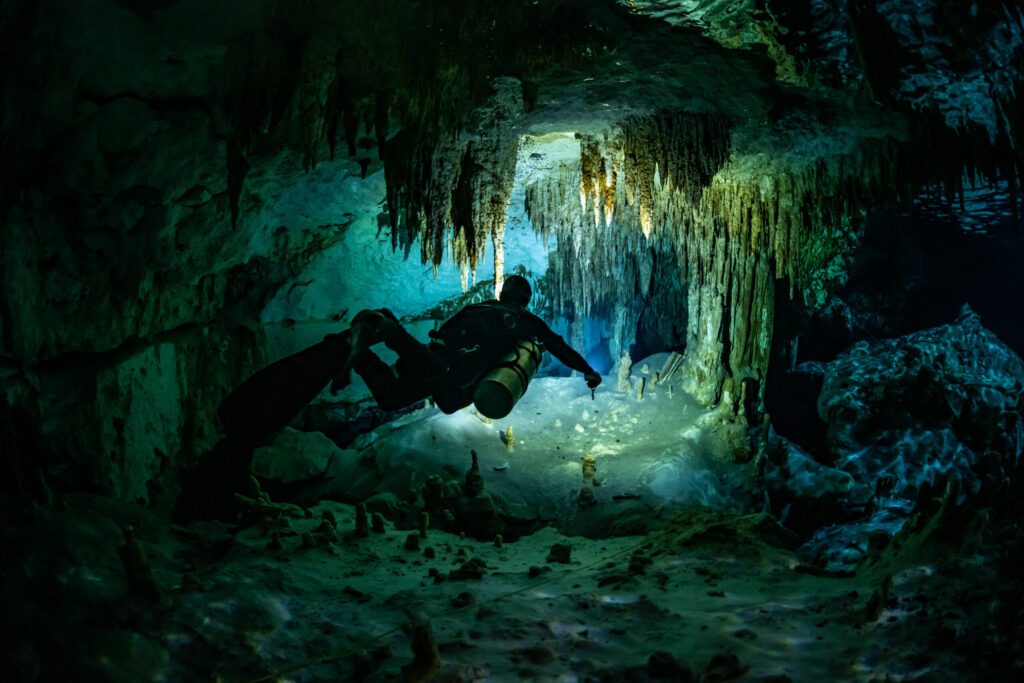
<point>638,562</point>
<point>560,552</point>
<point>724,666</point>
<point>536,654</point>
<point>463,599</point>
<point>377,523</point>
<point>472,569</point>
<point>359,595</point>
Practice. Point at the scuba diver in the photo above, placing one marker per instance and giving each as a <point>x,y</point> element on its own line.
<point>462,352</point>
<point>486,353</point>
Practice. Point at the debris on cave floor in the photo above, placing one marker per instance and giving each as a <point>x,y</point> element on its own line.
<point>713,594</point>
<point>595,465</point>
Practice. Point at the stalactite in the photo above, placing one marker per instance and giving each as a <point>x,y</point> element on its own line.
<point>454,184</point>
<point>498,246</point>
<point>732,221</point>
<point>603,268</point>
<point>598,177</point>
<point>312,90</point>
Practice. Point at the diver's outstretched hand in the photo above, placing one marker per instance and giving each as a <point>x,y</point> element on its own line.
<point>593,379</point>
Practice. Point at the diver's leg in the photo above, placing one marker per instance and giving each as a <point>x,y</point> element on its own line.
<point>252,415</point>
<point>370,327</point>
<point>390,389</point>
<point>266,402</point>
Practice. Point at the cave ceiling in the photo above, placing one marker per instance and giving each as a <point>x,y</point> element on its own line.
<point>160,159</point>
<point>184,180</point>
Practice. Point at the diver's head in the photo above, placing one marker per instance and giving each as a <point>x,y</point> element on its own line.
<point>516,290</point>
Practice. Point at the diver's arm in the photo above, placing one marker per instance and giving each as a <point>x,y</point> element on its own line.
<point>565,353</point>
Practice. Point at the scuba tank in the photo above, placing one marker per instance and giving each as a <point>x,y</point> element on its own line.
<point>506,382</point>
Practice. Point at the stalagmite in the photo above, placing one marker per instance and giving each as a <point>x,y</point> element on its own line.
<point>640,384</point>
<point>622,373</point>
<point>474,482</point>
<point>424,524</point>
<point>426,662</point>
<point>362,528</point>
<point>589,468</point>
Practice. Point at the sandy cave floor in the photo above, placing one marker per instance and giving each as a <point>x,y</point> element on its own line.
<point>715,591</point>
<point>702,590</point>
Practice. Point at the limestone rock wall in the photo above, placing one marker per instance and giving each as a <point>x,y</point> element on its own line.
<point>121,423</point>
<point>944,401</point>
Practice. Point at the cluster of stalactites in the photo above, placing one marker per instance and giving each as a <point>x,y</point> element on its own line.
<point>735,220</point>
<point>636,189</point>
<point>599,172</point>
<point>671,152</point>
<point>782,208</point>
<point>731,226</point>
<point>603,268</point>
<point>452,195</point>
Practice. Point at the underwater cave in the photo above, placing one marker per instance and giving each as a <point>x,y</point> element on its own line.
<point>240,242</point>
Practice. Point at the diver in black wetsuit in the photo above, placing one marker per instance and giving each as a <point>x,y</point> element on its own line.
<point>461,352</point>
<point>448,369</point>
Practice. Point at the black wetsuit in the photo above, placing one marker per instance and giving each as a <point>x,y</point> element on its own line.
<point>478,337</point>
<point>449,369</point>
<point>472,342</point>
